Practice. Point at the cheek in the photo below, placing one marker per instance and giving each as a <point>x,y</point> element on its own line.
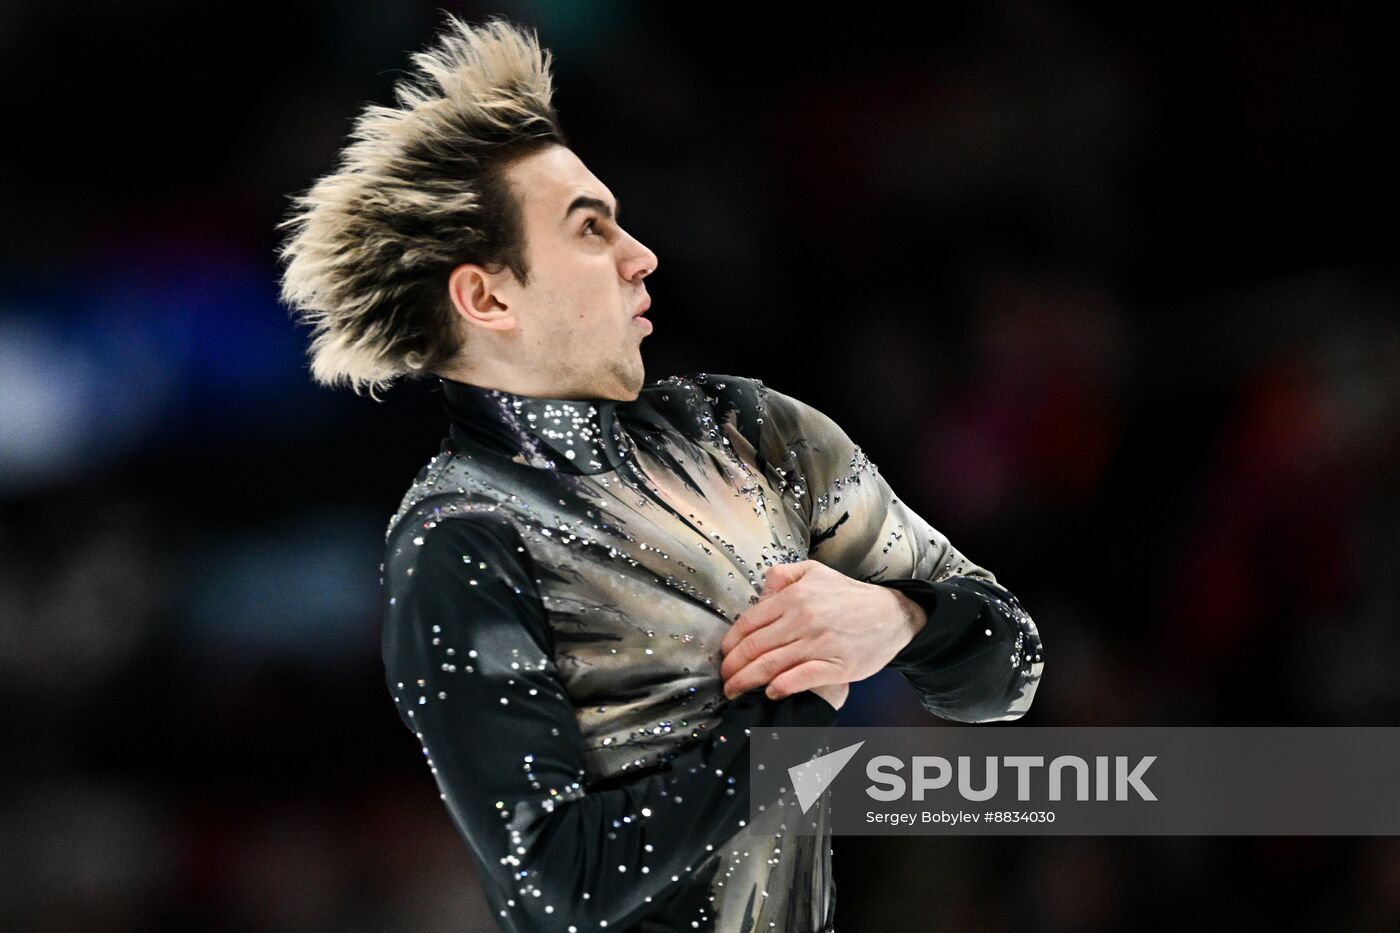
<point>569,303</point>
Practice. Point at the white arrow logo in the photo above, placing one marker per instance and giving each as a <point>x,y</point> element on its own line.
<point>810,779</point>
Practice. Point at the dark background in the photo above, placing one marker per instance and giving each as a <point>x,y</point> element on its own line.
<point>1109,295</point>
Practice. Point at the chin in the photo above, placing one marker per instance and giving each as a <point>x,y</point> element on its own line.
<point>629,379</point>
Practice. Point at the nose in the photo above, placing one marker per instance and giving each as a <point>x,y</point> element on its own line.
<point>640,263</point>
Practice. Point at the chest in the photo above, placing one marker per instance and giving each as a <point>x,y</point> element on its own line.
<point>642,571</point>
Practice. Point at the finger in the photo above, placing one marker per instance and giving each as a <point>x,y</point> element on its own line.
<point>781,576</point>
<point>750,620</point>
<point>763,669</point>
<point>754,644</point>
<point>813,672</point>
<point>774,579</point>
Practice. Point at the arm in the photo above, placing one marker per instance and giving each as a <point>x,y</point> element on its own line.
<point>978,656</point>
<point>469,662</point>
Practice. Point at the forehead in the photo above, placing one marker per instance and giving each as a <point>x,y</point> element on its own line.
<point>547,181</point>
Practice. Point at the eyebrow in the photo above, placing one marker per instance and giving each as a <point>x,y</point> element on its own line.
<point>588,201</point>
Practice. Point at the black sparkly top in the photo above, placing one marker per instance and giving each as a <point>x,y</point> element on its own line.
<point>557,582</point>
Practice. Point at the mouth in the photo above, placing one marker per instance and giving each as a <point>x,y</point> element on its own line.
<point>642,308</point>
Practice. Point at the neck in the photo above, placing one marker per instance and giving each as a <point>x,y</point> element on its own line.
<point>532,381</point>
<point>569,435</point>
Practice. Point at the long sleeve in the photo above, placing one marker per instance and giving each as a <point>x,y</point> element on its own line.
<point>469,660</point>
<point>979,657</point>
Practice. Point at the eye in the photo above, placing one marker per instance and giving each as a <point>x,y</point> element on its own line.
<point>589,226</point>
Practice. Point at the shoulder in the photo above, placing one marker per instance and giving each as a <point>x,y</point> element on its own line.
<point>702,401</point>
<point>451,516</point>
<point>439,488</point>
<point>759,409</point>
<point>769,419</point>
<point>440,528</point>
<point>442,567</point>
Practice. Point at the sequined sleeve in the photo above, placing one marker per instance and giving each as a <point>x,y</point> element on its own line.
<point>469,661</point>
<point>978,658</point>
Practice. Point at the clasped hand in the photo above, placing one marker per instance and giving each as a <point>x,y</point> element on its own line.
<point>814,628</point>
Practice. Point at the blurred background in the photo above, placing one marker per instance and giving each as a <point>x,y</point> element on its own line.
<point>1109,294</point>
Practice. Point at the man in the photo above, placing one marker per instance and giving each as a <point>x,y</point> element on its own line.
<point>597,588</point>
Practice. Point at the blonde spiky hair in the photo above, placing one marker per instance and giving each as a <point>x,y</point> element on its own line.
<point>419,191</point>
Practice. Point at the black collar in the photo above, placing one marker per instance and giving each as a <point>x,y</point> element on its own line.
<point>566,435</point>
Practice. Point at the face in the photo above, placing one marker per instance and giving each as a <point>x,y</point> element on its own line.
<point>573,331</point>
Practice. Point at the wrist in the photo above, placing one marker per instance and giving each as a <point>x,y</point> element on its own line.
<point>911,614</point>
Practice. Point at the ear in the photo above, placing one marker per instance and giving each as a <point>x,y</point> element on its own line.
<point>476,294</point>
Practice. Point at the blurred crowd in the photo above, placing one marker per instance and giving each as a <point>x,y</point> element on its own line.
<point>1125,280</point>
